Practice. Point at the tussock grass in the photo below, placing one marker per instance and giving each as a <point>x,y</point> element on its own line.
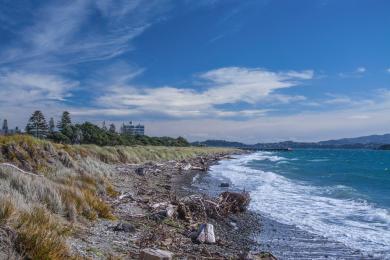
<point>66,184</point>
<point>41,236</point>
<point>7,208</point>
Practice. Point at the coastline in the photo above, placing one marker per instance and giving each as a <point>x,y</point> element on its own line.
<point>284,241</point>
<point>236,235</point>
<point>138,209</point>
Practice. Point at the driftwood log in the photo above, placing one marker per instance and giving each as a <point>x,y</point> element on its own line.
<point>200,208</point>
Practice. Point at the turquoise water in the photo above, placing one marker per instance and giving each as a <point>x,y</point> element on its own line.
<point>365,174</point>
<point>343,195</point>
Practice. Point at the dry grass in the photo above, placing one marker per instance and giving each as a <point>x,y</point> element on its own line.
<point>7,208</point>
<point>66,185</point>
<point>41,236</point>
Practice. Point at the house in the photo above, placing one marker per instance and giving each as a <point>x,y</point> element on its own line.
<point>133,129</point>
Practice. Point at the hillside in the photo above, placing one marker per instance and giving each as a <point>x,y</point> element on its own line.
<point>371,139</point>
<point>370,142</point>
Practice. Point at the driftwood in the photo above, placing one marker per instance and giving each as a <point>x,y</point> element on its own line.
<point>198,208</point>
<point>20,170</point>
<point>234,202</point>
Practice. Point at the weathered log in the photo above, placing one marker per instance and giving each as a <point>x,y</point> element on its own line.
<point>234,202</point>
<point>206,234</point>
<point>199,208</point>
<point>155,254</point>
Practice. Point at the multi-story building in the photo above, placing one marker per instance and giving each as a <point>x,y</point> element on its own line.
<point>5,130</point>
<point>133,129</point>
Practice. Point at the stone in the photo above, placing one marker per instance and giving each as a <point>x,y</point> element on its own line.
<point>170,211</point>
<point>206,234</point>
<point>187,167</point>
<point>224,185</point>
<point>140,171</point>
<point>124,227</point>
<point>159,205</point>
<point>159,216</point>
<point>155,254</point>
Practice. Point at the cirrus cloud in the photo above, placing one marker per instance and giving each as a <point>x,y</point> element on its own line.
<point>224,86</point>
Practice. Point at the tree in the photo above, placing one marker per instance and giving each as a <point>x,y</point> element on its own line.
<point>92,134</point>
<point>51,126</point>
<point>112,128</point>
<point>65,121</point>
<point>37,125</point>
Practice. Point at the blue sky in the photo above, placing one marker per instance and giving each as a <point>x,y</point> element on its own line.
<point>252,71</point>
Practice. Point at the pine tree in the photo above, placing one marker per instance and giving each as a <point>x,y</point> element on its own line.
<point>65,121</point>
<point>51,125</point>
<point>112,128</point>
<point>37,125</point>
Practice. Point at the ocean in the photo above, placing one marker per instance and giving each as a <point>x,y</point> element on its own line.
<point>341,197</point>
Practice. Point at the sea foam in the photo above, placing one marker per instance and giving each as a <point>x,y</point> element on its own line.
<point>333,212</point>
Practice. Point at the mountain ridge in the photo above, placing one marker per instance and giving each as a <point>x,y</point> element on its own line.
<point>369,141</point>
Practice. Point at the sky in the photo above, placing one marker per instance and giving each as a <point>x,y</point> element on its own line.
<point>250,71</point>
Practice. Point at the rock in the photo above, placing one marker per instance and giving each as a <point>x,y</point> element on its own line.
<point>159,216</point>
<point>160,205</point>
<point>155,254</point>
<point>164,210</point>
<point>258,256</point>
<point>206,234</point>
<point>124,227</point>
<point>140,171</point>
<point>170,211</point>
<point>187,167</point>
<point>224,185</point>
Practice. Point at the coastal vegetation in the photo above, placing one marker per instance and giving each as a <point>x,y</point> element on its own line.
<point>48,189</point>
<point>89,133</point>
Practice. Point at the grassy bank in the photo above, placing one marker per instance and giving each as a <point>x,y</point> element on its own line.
<point>47,189</point>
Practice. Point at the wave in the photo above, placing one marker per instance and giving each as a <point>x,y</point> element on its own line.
<point>339,213</point>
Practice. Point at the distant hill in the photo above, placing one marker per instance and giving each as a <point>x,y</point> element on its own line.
<point>372,142</point>
<point>219,143</point>
<point>371,139</point>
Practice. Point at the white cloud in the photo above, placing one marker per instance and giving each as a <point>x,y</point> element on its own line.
<point>347,101</point>
<point>30,87</point>
<point>388,70</point>
<point>354,74</point>
<point>21,93</point>
<point>338,100</point>
<point>224,86</point>
<point>305,126</point>
<point>361,70</point>
<point>64,33</point>
<point>306,74</point>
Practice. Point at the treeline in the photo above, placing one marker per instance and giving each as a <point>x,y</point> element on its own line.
<point>87,133</point>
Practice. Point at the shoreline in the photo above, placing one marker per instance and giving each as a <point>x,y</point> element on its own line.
<point>285,241</point>
<point>237,234</point>
<point>141,225</point>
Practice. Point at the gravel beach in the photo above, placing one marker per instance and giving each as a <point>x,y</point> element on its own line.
<point>139,224</point>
